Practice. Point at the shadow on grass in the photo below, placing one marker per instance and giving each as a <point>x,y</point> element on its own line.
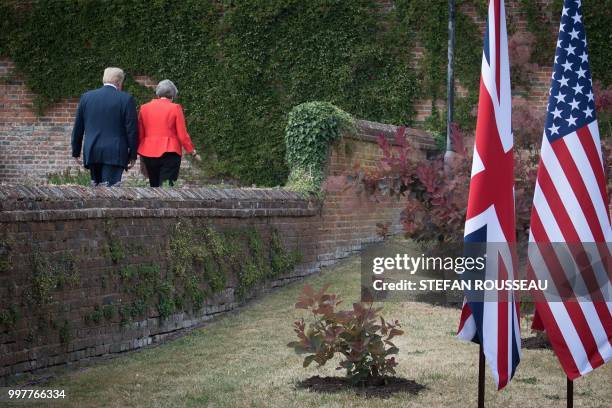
<point>536,343</point>
<point>388,386</point>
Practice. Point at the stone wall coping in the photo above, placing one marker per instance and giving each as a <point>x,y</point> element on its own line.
<point>369,131</point>
<point>22,202</point>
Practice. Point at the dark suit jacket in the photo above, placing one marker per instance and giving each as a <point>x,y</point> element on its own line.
<point>107,117</point>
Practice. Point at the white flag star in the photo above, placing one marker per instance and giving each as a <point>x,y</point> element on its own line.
<point>563,81</point>
<point>578,88</point>
<point>577,18</point>
<point>570,50</point>
<point>571,121</point>
<point>559,43</point>
<point>588,113</point>
<point>564,13</point>
<point>574,34</point>
<point>584,57</point>
<point>584,41</point>
<point>574,104</point>
<point>560,97</point>
<point>561,27</point>
<point>579,3</point>
<point>556,113</point>
<point>581,73</point>
<point>554,129</point>
<point>567,66</point>
<point>590,95</point>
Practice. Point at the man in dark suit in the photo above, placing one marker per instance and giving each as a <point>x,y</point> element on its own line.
<point>107,117</point>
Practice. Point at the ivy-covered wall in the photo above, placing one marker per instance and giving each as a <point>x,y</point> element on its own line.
<point>241,66</point>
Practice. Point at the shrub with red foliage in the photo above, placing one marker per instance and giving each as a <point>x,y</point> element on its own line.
<point>436,193</point>
<point>361,335</point>
<point>527,124</point>
<point>520,49</point>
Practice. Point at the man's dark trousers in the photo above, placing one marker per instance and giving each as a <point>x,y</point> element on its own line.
<point>105,174</point>
<point>106,128</point>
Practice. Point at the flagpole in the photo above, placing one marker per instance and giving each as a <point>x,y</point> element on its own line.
<point>450,81</point>
<point>570,393</point>
<point>481,377</point>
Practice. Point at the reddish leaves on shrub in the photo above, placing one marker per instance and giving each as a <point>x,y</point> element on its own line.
<point>360,335</point>
<point>435,192</point>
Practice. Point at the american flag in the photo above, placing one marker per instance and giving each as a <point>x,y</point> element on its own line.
<point>490,213</point>
<point>570,206</point>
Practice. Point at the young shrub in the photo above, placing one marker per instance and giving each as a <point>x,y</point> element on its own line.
<point>360,335</point>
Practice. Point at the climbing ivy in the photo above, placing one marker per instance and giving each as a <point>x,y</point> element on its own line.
<point>240,66</point>
<point>430,28</point>
<point>311,128</point>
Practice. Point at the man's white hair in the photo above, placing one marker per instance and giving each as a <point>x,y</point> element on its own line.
<point>113,76</point>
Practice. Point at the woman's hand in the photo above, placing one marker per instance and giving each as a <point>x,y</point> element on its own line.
<point>195,155</point>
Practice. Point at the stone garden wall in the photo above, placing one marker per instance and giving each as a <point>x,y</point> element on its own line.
<point>90,272</point>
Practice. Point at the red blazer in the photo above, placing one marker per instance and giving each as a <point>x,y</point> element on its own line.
<point>161,127</point>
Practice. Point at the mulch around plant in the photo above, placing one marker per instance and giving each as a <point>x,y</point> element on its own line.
<point>390,386</point>
<point>536,343</point>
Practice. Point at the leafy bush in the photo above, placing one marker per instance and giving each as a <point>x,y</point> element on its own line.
<point>311,128</point>
<point>360,335</point>
<point>436,197</point>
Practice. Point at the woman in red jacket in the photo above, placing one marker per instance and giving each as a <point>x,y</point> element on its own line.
<point>163,136</point>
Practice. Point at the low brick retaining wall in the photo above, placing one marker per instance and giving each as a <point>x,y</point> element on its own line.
<point>88,272</point>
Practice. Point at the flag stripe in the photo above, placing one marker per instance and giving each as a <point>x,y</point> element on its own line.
<point>574,309</point>
<point>578,186</point>
<point>558,211</point>
<point>591,177</point>
<point>594,157</point>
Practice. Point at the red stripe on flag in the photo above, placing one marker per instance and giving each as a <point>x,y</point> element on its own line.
<point>559,278</point>
<point>577,184</point>
<point>588,144</point>
<point>466,312</point>
<point>556,205</point>
<point>497,46</point>
<point>556,339</point>
<point>502,324</point>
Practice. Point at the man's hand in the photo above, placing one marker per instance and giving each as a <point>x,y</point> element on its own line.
<point>78,161</point>
<point>131,164</point>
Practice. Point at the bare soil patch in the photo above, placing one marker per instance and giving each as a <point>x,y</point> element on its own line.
<point>385,389</point>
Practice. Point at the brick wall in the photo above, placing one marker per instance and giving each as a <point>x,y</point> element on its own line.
<point>81,223</point>
<point>32,146</point>
<point>539,81</point>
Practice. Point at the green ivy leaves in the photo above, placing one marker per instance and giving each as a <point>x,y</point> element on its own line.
<point>311,128</point>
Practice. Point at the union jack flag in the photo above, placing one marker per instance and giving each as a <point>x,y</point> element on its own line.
<point>490,214</point>
<point>570,210</point>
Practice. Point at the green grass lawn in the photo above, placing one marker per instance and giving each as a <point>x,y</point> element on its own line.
<point>241,360</point>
